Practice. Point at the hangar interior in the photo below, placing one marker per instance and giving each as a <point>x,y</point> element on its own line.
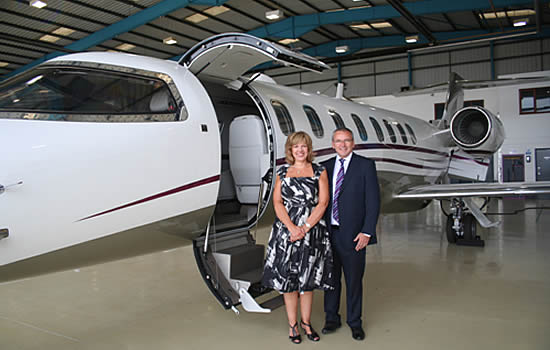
<point>420,292</point>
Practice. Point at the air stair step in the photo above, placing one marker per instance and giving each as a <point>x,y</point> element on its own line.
<point>246,262</point>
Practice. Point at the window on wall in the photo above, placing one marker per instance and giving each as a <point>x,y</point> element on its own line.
<point>402,133</point>
<point>314,121</point>
<point>284,118</point>
<point>338,122</point>
<point>360,126</point>
<point>439,108</point>
<point>393,138</point>
<point>377,129</point>
<point>534,100</point>
<point>411,133</point>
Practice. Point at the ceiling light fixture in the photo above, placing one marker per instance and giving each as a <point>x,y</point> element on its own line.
<point>3,64</point>
<point>411,39</point>
<point>342,49</point>
<point>288,41</point>
<point>125,47</point>
<point>273,15</point>
<point>49,38</point>
<point>379,25</point>
<point>216,10</point>
<point>521,22</point>
<point>37,3</point>
<point>360,26</point>
<point>169,41</point>
<point>63,31</point>
<point>509,13</point>
<point>196,18</point>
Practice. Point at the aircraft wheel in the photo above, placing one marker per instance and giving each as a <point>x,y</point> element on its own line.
<point>451,235</point>
<point>470,227</point>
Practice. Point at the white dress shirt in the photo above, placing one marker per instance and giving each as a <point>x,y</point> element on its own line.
<point>335,176</point>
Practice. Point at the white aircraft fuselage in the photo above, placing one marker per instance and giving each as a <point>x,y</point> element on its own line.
<point>85,187</point>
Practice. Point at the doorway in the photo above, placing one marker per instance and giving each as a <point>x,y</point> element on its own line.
<point>542,159</point>
<point>513,168</point>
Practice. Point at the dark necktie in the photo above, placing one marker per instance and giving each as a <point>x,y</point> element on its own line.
<point>337,187</point>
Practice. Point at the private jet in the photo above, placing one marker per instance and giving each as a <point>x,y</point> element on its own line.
<point>111,155</point>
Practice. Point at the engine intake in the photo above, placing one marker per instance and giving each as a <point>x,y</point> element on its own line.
<point>476,130</point>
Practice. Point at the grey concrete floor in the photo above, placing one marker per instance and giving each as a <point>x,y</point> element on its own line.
<point>420,293</point>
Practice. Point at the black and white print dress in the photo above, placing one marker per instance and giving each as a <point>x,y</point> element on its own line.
<point>305,264</point>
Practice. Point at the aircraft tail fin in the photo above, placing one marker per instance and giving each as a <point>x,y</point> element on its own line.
<point>455,100</point>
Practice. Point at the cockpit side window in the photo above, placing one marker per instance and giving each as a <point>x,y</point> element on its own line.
<point>284,118</point>
<point>73,93</point>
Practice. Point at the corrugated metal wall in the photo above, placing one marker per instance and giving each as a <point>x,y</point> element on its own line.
<point>386,75</point>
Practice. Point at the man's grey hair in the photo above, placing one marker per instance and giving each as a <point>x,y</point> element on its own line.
<point>342,129</point>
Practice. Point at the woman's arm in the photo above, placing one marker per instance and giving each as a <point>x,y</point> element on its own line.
<point>296,232</point>
<point>319,210</point>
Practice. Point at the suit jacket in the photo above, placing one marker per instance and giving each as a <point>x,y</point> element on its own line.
<point>359,200</point>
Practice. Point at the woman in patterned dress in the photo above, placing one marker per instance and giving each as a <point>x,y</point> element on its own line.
<point>299,254</point>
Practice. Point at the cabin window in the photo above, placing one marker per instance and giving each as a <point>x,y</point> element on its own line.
<point>338,122</point>
<point>73,93</point>
<point>377,129</point>
<point>439,108</point>
<point>360,126</point>
<point>284,118</point>
<point>393,138</point>
<point>314,121</point>
<point>534,100</point>
<point>411,132</point>
<point>402,133</point>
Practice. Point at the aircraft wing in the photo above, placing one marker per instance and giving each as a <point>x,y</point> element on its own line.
<point>478,189</point>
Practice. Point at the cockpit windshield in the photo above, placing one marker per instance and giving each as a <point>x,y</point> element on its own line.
<point>76,90</point>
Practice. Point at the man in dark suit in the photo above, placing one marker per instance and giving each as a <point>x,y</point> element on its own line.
<point>351,217</point>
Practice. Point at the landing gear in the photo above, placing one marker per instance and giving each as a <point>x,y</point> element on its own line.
<point>461,226</point>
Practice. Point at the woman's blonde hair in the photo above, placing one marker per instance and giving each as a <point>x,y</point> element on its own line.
<point>294,139</point>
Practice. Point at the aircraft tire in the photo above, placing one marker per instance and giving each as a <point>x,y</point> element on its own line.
<point>451,235</point>
<point>470,227</point>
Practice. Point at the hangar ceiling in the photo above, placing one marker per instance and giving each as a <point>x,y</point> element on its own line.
<point>30,35</point>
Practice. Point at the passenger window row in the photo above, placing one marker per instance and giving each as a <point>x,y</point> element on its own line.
<point>287,125</point>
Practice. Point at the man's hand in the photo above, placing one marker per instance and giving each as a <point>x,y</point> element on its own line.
<point>362,241</point>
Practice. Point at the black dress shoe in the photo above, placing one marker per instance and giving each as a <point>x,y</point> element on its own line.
<point>357,333</point>
<point>331,326</point>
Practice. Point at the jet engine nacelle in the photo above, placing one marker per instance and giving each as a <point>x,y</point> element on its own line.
<point>477,131</point>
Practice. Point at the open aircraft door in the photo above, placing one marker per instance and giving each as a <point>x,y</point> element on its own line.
<point>228,56</point>
<point>229,259</point>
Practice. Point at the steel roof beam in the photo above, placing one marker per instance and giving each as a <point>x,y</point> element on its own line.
<point>296,26</point>
<point>328,49</point>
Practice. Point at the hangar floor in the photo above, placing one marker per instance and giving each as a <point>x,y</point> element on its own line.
<point>421,294</point>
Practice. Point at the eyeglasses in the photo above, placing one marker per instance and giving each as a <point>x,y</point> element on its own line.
<point>342,141</point>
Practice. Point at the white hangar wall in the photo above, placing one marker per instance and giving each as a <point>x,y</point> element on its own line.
<point>382,76</point>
